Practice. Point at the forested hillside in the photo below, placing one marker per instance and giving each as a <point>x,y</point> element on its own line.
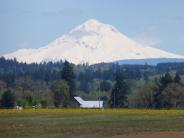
<point>54,84</point>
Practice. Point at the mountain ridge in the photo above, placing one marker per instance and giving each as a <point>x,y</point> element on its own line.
<point>91,42</point>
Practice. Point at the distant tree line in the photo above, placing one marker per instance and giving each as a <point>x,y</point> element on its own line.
<point>121,86</point>
<point>167,92</point>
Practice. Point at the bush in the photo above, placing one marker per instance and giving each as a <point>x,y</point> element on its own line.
<point>22,102</point>
<point>8,99</point>
<point>44,104</point>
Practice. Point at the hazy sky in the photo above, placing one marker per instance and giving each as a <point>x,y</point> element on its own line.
<point>34,23</point>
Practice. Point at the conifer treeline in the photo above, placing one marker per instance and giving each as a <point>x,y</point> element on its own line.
<point>33,84</point>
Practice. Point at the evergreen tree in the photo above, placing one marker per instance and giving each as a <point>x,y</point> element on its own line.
<point>165,80</point>
<point>105,86</point>
<point>8,99</point>
<point>60,90</point>
<point>119,92</point>
<point>69,77</point>
<point>177,78</point>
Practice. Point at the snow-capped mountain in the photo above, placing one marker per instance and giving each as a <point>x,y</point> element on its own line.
<point>92,42</point>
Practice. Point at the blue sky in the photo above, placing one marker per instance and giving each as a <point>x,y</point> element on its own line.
<point>34,23</point>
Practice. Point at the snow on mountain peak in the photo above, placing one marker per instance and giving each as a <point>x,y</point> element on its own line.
<point>93,26</point>
<point>91,42</point>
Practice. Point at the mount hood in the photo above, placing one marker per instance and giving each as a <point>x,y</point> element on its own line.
<point>92,42</point>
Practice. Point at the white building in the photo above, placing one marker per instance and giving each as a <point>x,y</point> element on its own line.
<point>89,104</point>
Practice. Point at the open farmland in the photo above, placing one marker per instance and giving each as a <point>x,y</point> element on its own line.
<point>56,123</point>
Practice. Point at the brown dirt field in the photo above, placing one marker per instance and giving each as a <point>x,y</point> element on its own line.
<point>166,134</point>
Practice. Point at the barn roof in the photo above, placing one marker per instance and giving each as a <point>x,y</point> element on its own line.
<point>89,104</point>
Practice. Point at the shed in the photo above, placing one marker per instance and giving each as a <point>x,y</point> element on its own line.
<point>89,104</point>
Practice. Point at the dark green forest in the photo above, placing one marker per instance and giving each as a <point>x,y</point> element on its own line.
<point>50,85</point>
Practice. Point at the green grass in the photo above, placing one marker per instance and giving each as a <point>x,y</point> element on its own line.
<point>75,123</point>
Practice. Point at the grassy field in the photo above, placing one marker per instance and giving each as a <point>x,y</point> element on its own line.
<point>57,123</point>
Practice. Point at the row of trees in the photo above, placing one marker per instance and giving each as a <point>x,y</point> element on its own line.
<point>133,86</point>
<point>63,89</point>
<point>167,92</point>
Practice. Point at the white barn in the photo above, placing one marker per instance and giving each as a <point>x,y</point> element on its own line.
<point>89,104</point>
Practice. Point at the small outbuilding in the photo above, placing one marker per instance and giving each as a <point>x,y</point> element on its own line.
<point>89,104</point>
